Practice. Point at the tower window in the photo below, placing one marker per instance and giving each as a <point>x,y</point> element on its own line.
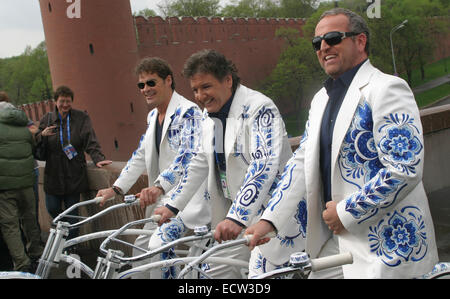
<point>131,107</point>
<point>91,48</point>
<point>49,7</point>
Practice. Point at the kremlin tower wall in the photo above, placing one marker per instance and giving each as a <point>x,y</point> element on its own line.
<point>250,43</point>
<point>95,55</point>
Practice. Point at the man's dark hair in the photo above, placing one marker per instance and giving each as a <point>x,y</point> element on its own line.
<point>63,91</point>
<point>211,62</point>
<point>4,97</point>
<point>155,65</point>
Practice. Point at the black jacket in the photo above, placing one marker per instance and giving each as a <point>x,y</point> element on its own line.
<point>63,176</point>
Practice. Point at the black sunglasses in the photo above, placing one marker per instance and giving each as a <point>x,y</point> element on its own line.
<point>331,38</point>
<point>150,83</point>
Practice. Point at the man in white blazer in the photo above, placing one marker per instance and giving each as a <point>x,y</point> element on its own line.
<point>359,165</point>
<point>244,150</point>
<point>170,141</point>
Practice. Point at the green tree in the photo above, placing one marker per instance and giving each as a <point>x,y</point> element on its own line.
<point>146,12</point>
<point>192,8</point>
<point>251,9</point>
<point>297,76</point>
<point>297,8</point>
<point>414,43</point>
<point>26,78</point>
<point>270,8</point>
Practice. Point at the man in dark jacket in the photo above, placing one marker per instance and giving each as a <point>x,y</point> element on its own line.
<point>17,201</point>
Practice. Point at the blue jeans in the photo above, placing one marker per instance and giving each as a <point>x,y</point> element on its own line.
<point>54,208</point>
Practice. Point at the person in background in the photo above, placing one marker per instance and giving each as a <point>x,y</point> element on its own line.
<point>17,202</point>
<point>359,165</point>
<point>67,134</point>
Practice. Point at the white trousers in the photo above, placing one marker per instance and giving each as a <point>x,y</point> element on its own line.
<point>222,271</point>
<point>163,234</point>
<point>259,264</point>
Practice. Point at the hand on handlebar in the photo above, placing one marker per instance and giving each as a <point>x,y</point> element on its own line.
<point>105,194</point>
<point>149,195</point>
<point>259,230</point>
<point>227,230</point>
<point>165,214</point>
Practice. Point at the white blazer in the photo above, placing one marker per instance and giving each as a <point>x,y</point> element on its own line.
<point>256,149</point>
<point>377,163</point>
<point>181,135</point>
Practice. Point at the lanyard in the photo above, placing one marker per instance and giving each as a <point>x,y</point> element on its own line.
<point>61,129</point>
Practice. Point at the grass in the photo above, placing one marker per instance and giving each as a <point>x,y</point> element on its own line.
<point>432,95</point>
<point>432,71</point>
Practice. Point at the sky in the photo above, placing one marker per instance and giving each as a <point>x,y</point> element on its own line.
<point>21,23</point>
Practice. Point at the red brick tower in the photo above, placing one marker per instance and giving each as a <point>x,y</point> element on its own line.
<point>92,49</point>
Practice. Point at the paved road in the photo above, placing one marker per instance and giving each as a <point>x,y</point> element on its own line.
<point>432,84</point>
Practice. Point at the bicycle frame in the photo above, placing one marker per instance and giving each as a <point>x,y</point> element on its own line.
<point>108,267</point>
<point>56,241</point>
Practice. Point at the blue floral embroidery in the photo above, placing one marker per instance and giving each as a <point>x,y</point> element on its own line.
<point>374,195</point>
<point>400,144</point>
<point>184,137</point>
<point>286,178</point>
<point>257,175</point>
<point>401,239</point>
<point>168,232</point>
<point>302,216</point>
<point>206,196</point>
<point>358,156</point>
<point>301,219</point>
<point>359,160</point>
<point>260,264</point>
<point>283,184</point>
<point>168,272</point>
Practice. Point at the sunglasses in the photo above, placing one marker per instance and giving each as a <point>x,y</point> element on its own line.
<point>331,38</point>
<point>150,83</point>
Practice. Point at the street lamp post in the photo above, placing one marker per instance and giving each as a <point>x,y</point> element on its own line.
<point>392,46</point>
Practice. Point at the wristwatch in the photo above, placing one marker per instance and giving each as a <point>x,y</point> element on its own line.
<point>117,190</point>
<point>158,185</point>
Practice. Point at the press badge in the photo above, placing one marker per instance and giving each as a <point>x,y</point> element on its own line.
<point>223,181</point>
<point>70,151</point>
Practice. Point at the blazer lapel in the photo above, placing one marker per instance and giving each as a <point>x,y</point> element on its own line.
<point>312,151</point>
<point>173,104</point>
<point>152,163</point>
<point>233,121</point>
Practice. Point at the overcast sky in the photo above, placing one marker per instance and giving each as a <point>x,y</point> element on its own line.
<point>21,23</point>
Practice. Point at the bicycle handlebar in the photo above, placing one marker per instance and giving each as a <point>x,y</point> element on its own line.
<point>129,200</point>
<point>331,261</point>
<point>244,240</point>
<point>309,264</point>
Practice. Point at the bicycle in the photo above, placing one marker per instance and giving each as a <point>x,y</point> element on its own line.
<point>56,243</point>
<point>109,267</point>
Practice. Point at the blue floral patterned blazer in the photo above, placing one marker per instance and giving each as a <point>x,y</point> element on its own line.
<point>256,149</point>
<point>181,138</point>
<point>377,164</point>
